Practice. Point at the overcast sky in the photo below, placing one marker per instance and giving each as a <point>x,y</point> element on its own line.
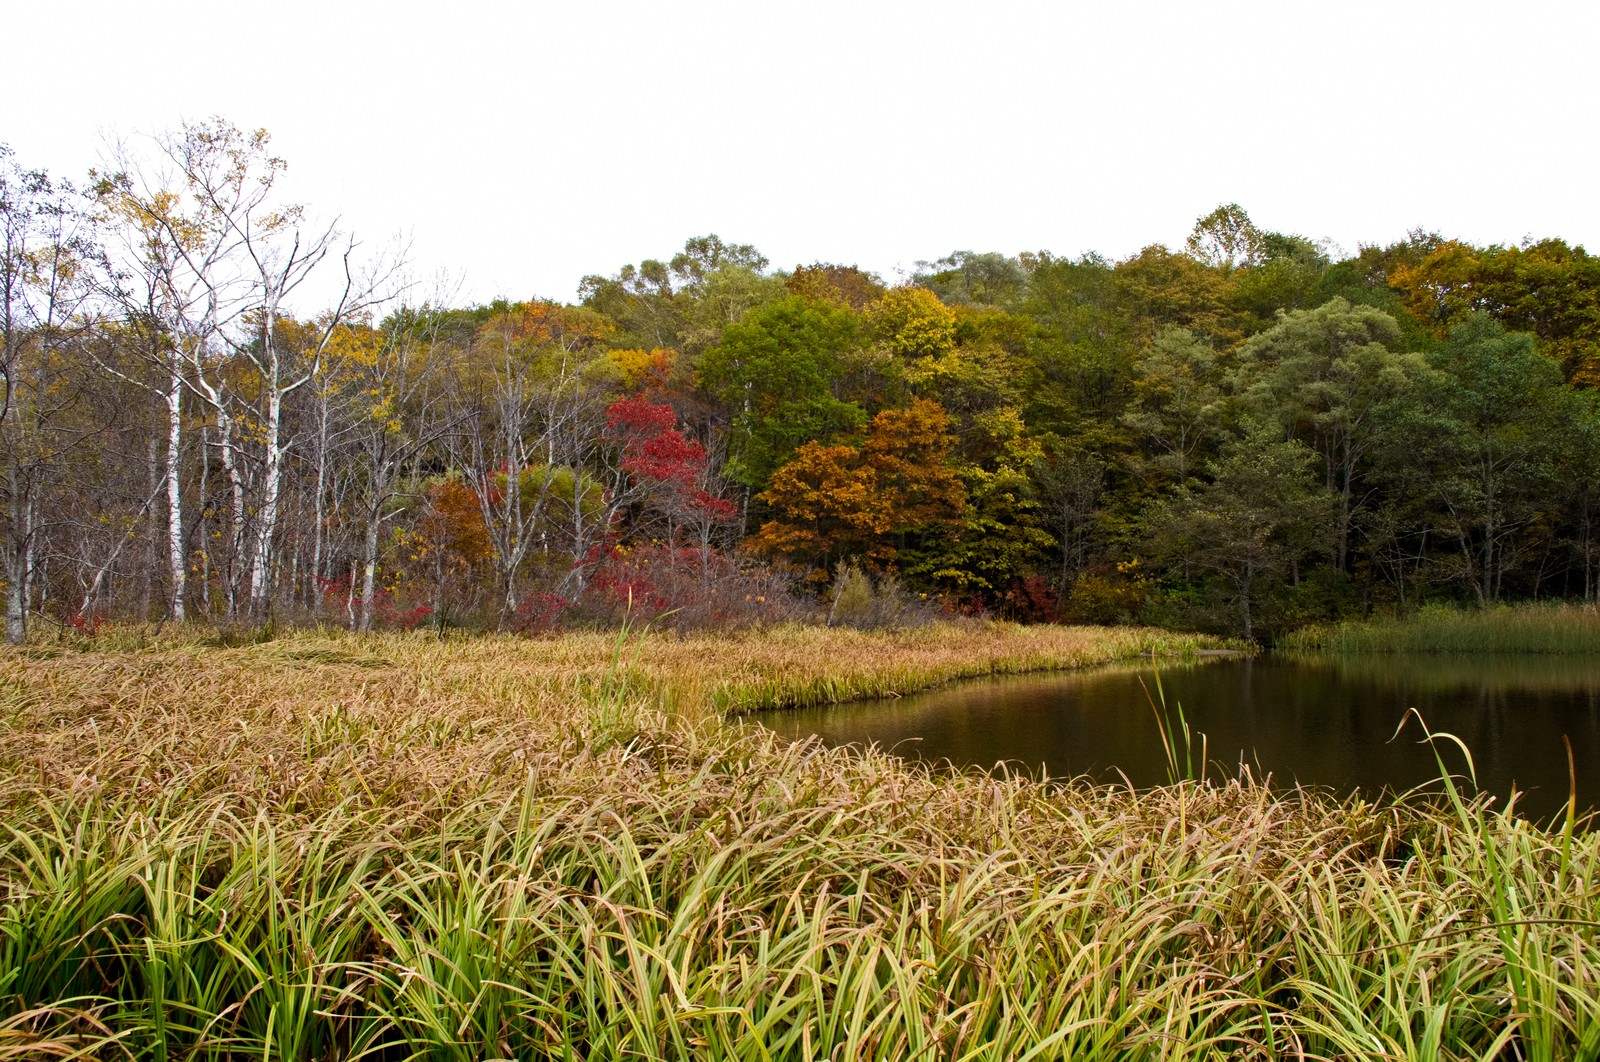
<point>523,145</point>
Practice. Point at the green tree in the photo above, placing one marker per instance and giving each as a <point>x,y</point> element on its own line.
<point>1258,514</point>
<point>970,278</point>
<point>683,303</point>
<point>1580,457</point>
<point>1485,433</point>
<point>1177,410</point>
<point>1069,481</point>
<point>1078,365</point>
<point>1328,375</point>
<point>1226,239</point>
<point>776,369</point>
<point>1289,276</point>
<point>1000,535</point>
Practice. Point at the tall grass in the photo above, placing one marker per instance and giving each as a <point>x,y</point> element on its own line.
<point>1526,628</point>
<point>1185,761</point>
<point>394,847</point>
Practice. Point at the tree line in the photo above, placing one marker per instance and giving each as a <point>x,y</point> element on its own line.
<point>217,408</point>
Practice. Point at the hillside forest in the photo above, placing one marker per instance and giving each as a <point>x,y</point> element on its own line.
<point>218,408</point>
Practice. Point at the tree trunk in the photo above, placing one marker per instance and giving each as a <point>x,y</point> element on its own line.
<point>230,465</point>
<point>1246,585</point>
<point>177,567</point>
<point>267,517</point>
<point>369,565</point>
<point>318,509</point>
<point>200,522</point>
<point>16,610</point>
<point>19,567</point>
<point>1342,552</point>
<point>152,532</point>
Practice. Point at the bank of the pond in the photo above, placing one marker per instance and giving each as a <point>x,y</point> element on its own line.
<point>1526,628</point>
<point>326,846</point>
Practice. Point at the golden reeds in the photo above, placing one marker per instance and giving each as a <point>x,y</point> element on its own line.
<point>329,846</point>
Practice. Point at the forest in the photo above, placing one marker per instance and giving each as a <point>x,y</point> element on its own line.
<point>219,408</point>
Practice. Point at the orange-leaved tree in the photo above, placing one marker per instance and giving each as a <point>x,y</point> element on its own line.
<point>834,502</point>
<point>449,541</point>
<point>1547,288</point>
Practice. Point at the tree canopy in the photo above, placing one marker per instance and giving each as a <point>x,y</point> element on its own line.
<point>1240,434</point>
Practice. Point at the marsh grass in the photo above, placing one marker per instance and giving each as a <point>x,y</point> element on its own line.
<point>394,847</point>
<point>1526,628</point>
<point>1185,748</point>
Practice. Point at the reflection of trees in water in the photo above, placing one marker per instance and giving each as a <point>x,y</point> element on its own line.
<point>1327,722</point>
<point>1511,710</point>
<point>1450,672</point>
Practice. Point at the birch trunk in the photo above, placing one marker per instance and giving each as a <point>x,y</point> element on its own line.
<point>267,517</point>
<point>177,566</point>
<point>369,569</point>
<point>230,466</point>
<point>318,508</point>
<point>19,567</point>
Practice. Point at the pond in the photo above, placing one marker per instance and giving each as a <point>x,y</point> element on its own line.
<point>1324,721</point>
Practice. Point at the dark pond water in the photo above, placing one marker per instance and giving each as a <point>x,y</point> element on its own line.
<point>1320,722</point>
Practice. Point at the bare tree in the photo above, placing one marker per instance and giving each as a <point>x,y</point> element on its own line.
<point>43,245</point>
<point>399,413</point>
<point>173,274</point>
<point>219,258</point>
<point>527,401</point>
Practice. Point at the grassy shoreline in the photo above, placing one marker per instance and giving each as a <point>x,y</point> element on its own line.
<point>327,846</point>
<point>1525,628</point>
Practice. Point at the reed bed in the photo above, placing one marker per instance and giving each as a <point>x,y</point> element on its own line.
<point>1525,628</point>
<point>393,847</point>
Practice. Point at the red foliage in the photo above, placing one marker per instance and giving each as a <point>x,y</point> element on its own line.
<point>665,460</point>
<point>385,612</point>
<point>87,625</point>
<point>638,416</point>
<point>970,607</point>
<point>668,457</point>
<point>1032,599</point>
<point>629,586</point>
<point>335,589</point>
<point>540,613</point>
<point>688,587</point>
<point>720,510</point>
<point>388,614</point>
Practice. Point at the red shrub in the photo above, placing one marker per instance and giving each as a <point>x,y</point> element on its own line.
<point>1031,599</point>
<point>539,613</point>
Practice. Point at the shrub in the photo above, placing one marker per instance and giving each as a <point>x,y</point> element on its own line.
<point>1031,599</point>
<point>687,588</point>
<point>856,602</point>
<point>1105,599</point>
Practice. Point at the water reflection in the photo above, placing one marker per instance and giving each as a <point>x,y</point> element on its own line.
<point>1318,721</point>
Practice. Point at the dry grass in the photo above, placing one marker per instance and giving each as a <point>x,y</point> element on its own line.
<point>311,719</point>
<point>1547,628</point>
<point>327,846</point>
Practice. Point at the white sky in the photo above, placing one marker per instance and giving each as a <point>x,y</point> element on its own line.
<point>523,145</point>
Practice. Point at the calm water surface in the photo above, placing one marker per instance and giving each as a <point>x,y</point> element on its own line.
<point>1324,722</point>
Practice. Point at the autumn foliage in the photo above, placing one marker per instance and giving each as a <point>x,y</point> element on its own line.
<point>863,501</point>
<point>1030,435</point>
